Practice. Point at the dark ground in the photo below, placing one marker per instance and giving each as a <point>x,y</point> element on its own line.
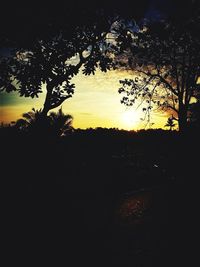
<point>72,201</point>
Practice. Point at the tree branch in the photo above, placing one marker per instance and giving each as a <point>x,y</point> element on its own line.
<point>173,108</point>
<point>59,102</point>
<point>73,69</point>
<point>161,79</point>
<point>176,71</point>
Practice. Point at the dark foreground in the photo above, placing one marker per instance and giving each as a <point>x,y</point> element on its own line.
<point>101,199</point>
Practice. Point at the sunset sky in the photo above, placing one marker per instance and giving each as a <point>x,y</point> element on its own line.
<point>95,103</point>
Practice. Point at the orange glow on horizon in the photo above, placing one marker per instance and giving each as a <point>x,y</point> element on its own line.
<point>96,103</point>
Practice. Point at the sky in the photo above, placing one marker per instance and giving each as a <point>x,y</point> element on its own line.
<point>95,103</point>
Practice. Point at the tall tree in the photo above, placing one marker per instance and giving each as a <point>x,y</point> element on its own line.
<point>166,62</point>
<point>52,63</point>
<point>49,51</point>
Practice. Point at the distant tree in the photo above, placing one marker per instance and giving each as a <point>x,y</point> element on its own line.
<point>61,123</point>
<point>170,123</point>
<point>165,59</point>
<point>29,120</point>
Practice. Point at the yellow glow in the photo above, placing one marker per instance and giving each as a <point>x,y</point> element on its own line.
<point>96,103</point>
<point>130,119</point>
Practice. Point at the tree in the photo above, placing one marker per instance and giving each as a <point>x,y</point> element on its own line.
<point>170,123</point>
<point>166,64</point>
<point>61,123</point>
<point>52,64</point>
<point>194,118</point>
<point>29,120</point>
<point>56,47</point>
<point>55,124</point>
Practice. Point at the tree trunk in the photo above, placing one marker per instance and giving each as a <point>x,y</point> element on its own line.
<point>47,102</point>
<point>45,110</point>
<point>182,120</point>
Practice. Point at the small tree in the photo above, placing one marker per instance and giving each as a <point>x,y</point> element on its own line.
<point>29,120</point>
<point>55,124</point>
<point>61,123</point>
<point>170,123</point>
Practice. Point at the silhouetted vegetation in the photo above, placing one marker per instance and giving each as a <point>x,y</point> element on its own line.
<point>170,123</point>
<point>117,193</point>
<point>165,60</point>
<point>101,197</point>
<point>51,64</point>
<point>55,124</point>
<point>144,157</point>
<point>81,43</point>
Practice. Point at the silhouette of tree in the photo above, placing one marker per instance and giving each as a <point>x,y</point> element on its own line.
<point>194,118</point>
<point>55,124</point>
<point>33,121</point>
<point>43,19</point>
<point>170,123</point>
<point>71,38</point>
<point>61,123</point>
<point>165,58</point>
<point>51,64</point>
<point>31,117</point>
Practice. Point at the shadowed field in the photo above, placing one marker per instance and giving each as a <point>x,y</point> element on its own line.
<point>99,199</point>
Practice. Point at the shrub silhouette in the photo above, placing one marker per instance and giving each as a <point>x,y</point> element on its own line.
<point>55,124</point>
<point>170,123</point>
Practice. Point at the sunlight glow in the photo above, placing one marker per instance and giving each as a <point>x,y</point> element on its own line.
<point>131,119</point>
<point>96,103</point>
